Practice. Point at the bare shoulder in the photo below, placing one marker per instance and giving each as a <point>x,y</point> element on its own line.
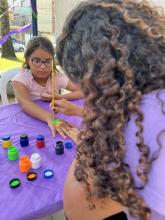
<point>76,205</point>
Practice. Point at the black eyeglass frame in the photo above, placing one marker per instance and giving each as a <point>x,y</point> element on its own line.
<point>40,62</point>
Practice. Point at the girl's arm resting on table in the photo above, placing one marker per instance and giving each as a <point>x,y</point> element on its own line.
<point>23,96</point>
<point>75,92</point>
<point>72,95</point>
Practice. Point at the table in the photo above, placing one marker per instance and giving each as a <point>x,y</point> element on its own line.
<point>42,197</point>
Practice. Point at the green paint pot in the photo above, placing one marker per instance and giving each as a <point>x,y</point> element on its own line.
<point>12,153</point>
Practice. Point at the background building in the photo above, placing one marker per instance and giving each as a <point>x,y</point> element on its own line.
<point>63,7</point>
<point>21,15</point>
<point>51,16</point>
<point>46,18</point>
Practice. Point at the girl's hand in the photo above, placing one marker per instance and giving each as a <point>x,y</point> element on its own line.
<point>61,128</point>
<point>72,132</point>
<point>47,96</point>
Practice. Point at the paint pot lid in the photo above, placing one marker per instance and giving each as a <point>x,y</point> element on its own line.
<point>40,137</point>
<point>23,136</point>
<point>32,176</point>
<point>48,174</point>
<point>6,137</point>
<point>14,183</point>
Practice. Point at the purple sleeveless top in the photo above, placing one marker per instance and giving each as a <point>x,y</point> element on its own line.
<point>154,123</point>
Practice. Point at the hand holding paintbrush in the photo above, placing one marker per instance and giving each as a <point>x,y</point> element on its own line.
<point>53,95</point>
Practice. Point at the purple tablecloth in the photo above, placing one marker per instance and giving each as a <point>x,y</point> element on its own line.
<point>42,197</point>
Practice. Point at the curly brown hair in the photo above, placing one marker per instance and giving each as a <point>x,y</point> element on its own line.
<point>116,50</point>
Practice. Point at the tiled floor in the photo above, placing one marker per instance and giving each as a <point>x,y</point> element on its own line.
<point>59,216</point>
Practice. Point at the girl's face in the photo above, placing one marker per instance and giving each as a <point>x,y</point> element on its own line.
<point>40,63</point>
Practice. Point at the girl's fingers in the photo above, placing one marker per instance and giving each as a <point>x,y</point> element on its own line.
<point>58,109</point>
<point>70,124</point>
<point>63,129</point>
<point>66,131</point>
<point>61,132</point>
<point>53,129</point>
<point>72,133</point>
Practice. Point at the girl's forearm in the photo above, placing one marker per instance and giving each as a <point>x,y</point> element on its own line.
<point>36,111</point>
<point>72,95</point>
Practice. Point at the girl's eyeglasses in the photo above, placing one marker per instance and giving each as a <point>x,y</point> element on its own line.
<point>38,62</point>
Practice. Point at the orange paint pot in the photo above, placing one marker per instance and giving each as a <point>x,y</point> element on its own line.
<point>24,164</point>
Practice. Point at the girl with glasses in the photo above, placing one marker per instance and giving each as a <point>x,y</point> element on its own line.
<point>34,82</point>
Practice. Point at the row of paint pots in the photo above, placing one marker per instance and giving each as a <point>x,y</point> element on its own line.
<point>24,141</point>
<point>25,163</point>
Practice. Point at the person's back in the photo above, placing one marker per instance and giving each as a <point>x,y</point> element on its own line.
<point>154,137</point>
<point>115,49</point>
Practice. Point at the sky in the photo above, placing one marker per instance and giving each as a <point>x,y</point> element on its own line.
<point>27,2</point>
<point>159,2</point>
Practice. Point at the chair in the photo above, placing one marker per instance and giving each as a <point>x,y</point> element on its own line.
<point>5,77</point>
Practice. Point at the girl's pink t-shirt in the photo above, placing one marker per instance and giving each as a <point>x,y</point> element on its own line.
<point>25,76</point>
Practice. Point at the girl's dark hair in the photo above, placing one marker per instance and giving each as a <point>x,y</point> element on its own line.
<point>116,50</point>
<point>36,43</point>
